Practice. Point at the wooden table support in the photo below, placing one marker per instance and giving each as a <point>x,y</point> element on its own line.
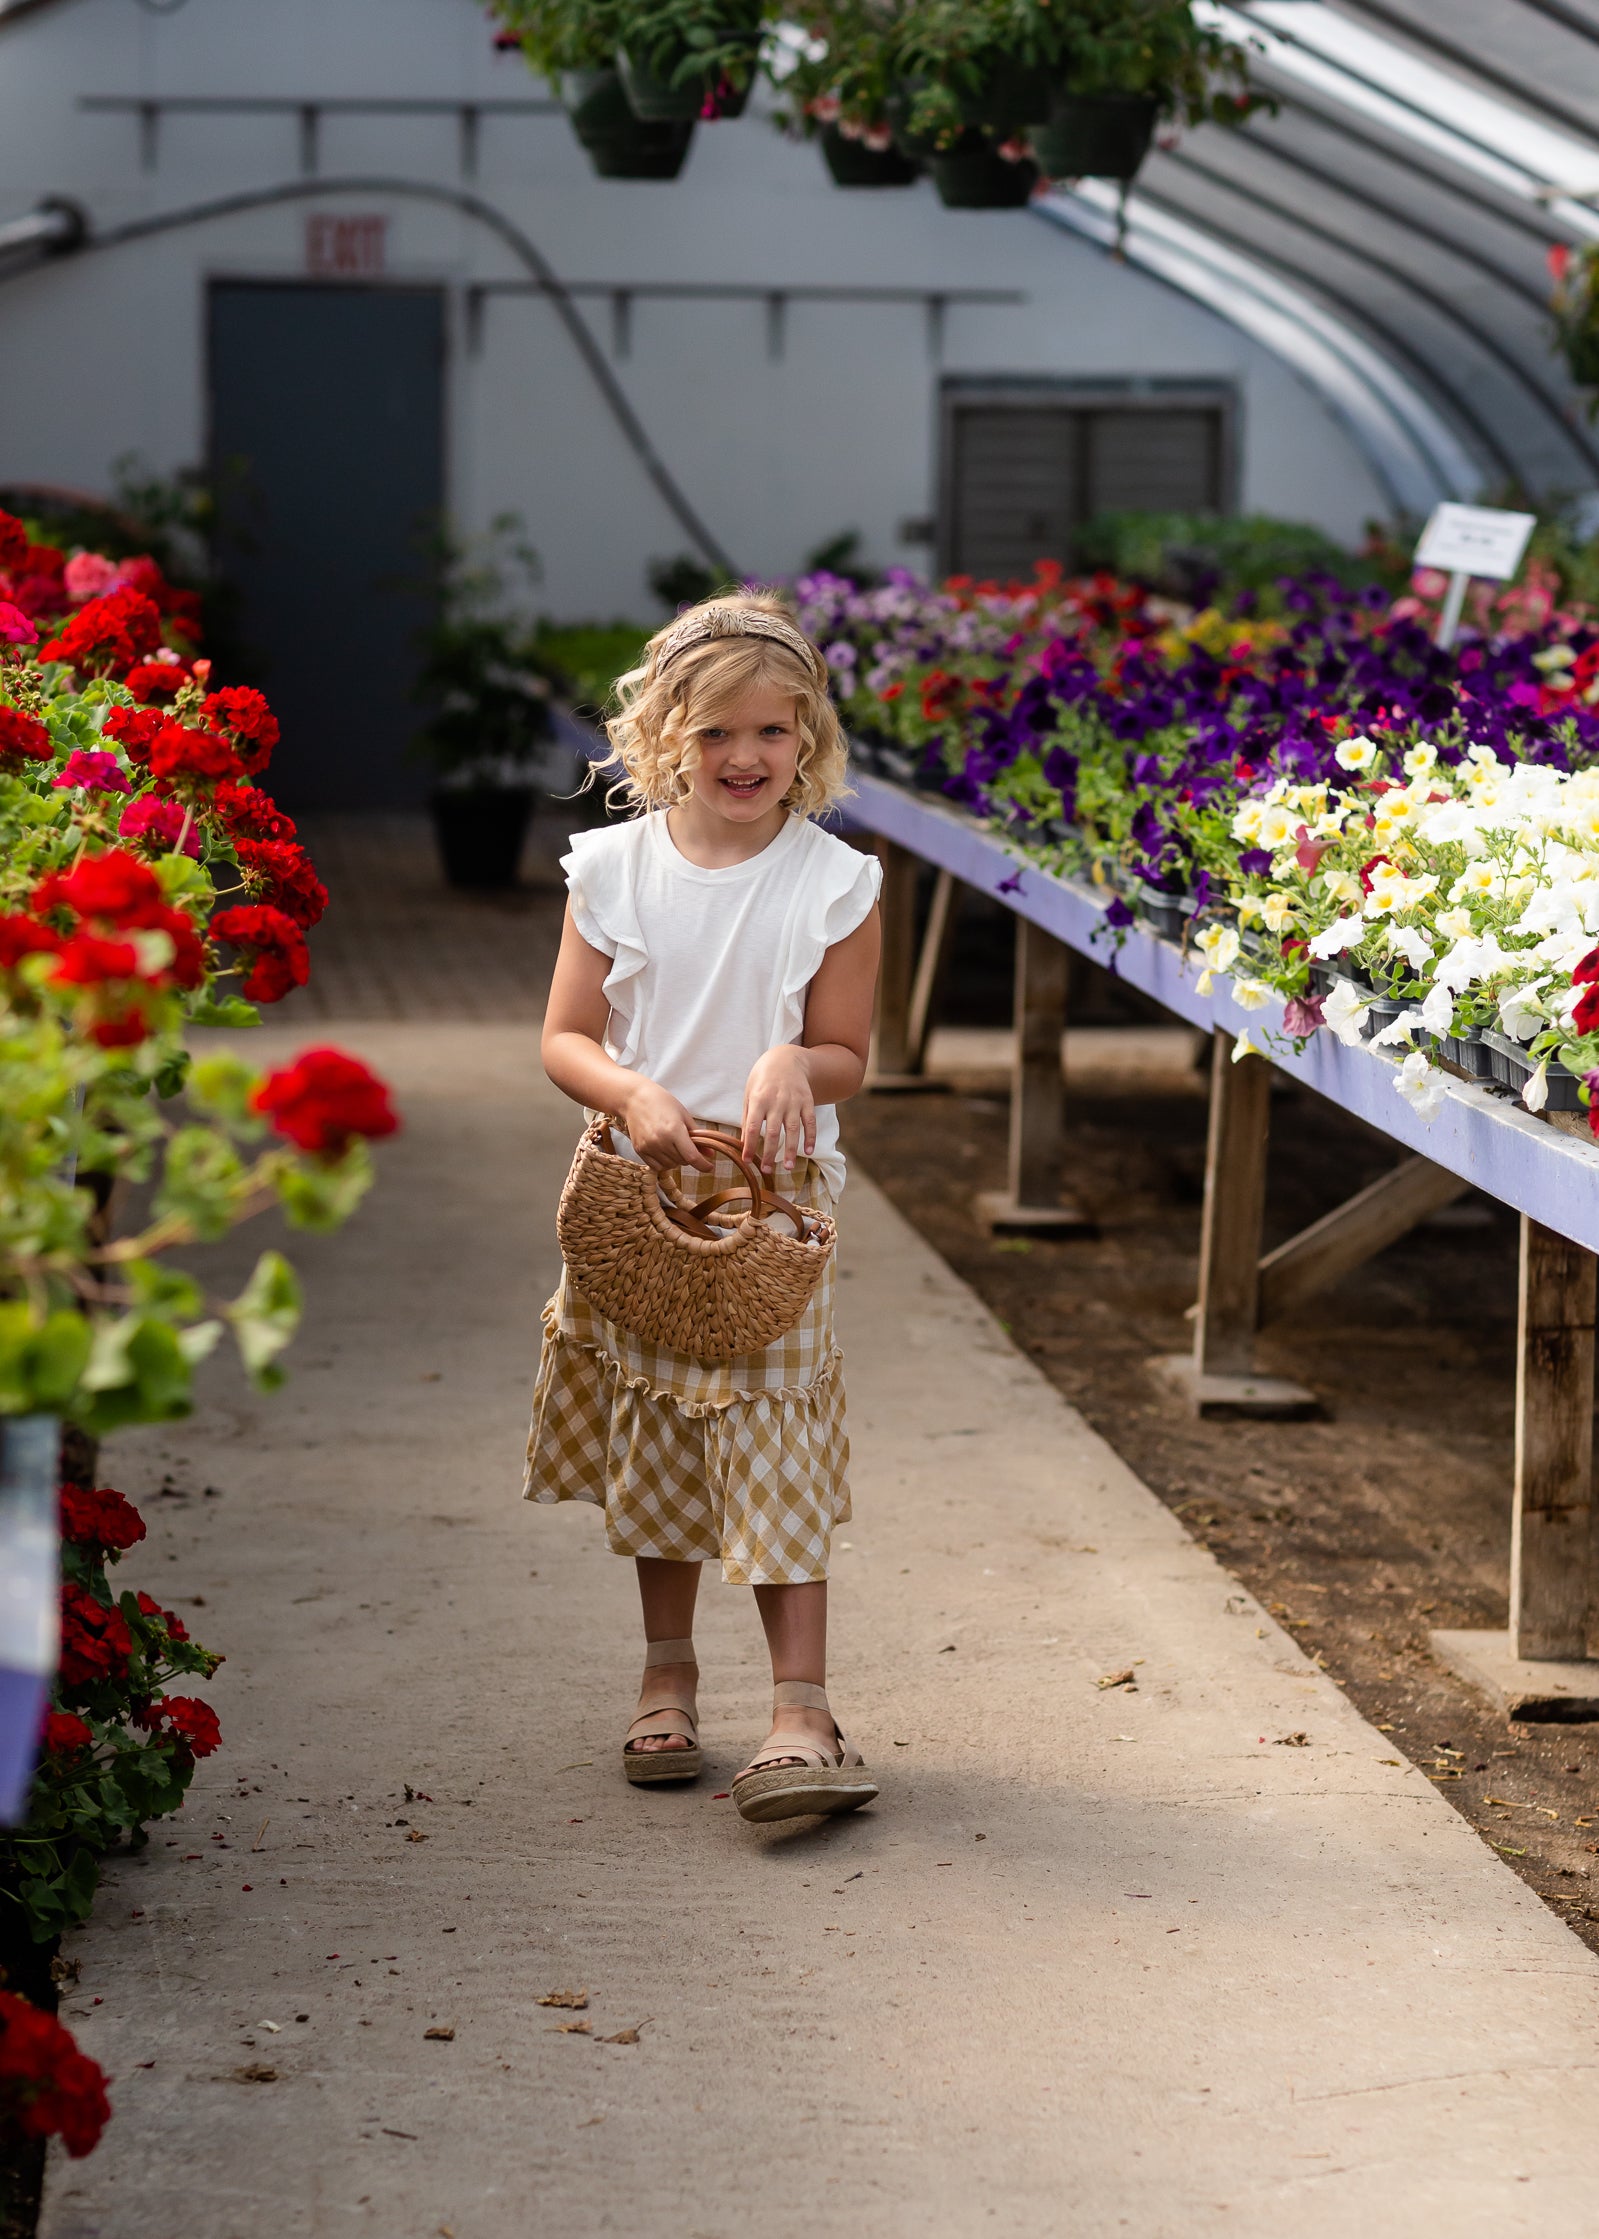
<point>1539,1668</point>
<point>909,978</point>
<point>1033,1203</point>
<point>1219,1378</point>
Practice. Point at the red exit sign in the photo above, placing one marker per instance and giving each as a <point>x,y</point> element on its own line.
<point>345,247</point>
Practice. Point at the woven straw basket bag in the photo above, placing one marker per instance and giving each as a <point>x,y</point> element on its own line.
<point>710,1280</point>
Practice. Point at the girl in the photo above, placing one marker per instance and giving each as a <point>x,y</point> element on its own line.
<point>717,969</point>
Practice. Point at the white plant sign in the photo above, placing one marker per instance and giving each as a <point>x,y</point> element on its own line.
<point>1468,540</point>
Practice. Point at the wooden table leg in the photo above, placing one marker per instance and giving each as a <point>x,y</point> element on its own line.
<point>1551,1547</point>
<point>1032,1204</point>
<point>1219,1378</point>
<point>1539,1669</point>
<point>896,973</point>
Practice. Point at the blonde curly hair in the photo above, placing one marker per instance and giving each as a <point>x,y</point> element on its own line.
<point>680,688</point>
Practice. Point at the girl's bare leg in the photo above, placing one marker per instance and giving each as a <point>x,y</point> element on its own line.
<point>795,1618</point>
<point>667,1592</point>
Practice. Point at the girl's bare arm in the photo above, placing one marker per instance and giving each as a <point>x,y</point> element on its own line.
<point>574,1057</point>
<point>829,1065</point>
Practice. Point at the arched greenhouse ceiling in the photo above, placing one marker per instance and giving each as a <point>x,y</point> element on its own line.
<point>1387,230</point>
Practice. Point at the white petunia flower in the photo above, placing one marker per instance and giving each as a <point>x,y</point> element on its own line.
<point>1277,913</point>
<point>1245,1045</point>
<point>1345,1012</point>
<point>1355,754</point>
<point>1218,945</point>
<point>1251,995</point>
<point>1343,886</point>
<point>1422,759</point>
<point>1535,1091</point>
<point>1397,1031</point>
<point>1421,1086</point>
<point>1455,924</point>
<point>1521,1013</point>
<point>1438,1011</point>
<point>1343,933</point>
<point>1410,942</point>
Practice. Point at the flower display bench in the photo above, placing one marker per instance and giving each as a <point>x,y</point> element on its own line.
<point>1476,1139</point>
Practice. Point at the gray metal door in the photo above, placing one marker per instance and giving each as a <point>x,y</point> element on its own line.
<point>327,439</point>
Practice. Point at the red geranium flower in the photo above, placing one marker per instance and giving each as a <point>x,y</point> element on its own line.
<point>188,1720</point>
<point>177,752</point>
<point>169,1623</point>
<point>99,1516</point>
<point>89,960</point>
<point>24,736</point>
<point>133,728</point>
<point>13,543</point>
<point>156,680</point>
<point>279,958</point>
<point>116,886</point>
<point>24,936</point>
<point>324,1099</point>
<point>123,1031</point>
<point>47,2087</point>
<point>248,813</point>
<point>244,712</point>
<point>64,1733</point>
<point>286,876</point>
<point>95,1641</point>
<point>108,633</point>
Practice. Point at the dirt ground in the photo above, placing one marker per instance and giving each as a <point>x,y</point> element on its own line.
<point>1362,1531</point>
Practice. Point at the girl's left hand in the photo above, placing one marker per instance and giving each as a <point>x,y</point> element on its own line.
<point>779,1109</point>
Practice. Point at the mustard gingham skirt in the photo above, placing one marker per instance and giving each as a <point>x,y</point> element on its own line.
<point>746,1460</point>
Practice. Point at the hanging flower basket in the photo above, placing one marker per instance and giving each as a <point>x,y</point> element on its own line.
<point>1095,135</point>
<point>855,164</point>
<point>973,175</point>
<point>619,144</point>
<point>1012,93</point>
<point>662,90</point>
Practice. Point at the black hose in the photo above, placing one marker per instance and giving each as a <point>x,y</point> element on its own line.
<point>296,190</point>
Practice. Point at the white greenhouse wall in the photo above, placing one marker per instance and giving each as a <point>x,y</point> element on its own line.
<point>104,354</point>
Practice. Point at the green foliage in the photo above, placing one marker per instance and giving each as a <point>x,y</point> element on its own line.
<point>1209,558</point>
<point>480,680</point>
<point>584,659</point>
<point>557,35</point>
<point>686,42</point>
<point>265,1316</point>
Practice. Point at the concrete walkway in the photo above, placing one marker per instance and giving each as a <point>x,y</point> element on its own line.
<point>1196,1958</point>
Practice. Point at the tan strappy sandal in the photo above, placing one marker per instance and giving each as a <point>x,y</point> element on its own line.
<point>663,1712</point>
<point>822,1781</point>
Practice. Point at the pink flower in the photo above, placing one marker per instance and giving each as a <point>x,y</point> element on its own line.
<point>158,823</point>
<point>95,772</point>
<point>86,575</point>
<point>15,628</point>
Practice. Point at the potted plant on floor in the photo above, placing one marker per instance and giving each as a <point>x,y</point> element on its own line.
<point>682,59</point>
<point>572,43</point>
<point>488,706</point>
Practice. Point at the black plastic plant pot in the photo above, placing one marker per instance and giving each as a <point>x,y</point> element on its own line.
<point>1514,1066</point>
<point>1471,1053</point>
<point>658,96</point>
<point>481,830</point>
<point>1165,914</point>
<point>853,164</point>
<point>618,145</point>
<point>973,175</point>
<point>1095,135</point>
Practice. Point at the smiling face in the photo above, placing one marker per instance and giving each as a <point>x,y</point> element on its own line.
<point>747,755</point>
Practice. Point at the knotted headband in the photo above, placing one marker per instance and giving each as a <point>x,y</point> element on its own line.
<point>736,621</point>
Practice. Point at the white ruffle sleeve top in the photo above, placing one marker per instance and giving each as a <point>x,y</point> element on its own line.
<point>710,968</point>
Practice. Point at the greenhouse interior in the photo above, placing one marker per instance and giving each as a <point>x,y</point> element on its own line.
<point>615,614</point>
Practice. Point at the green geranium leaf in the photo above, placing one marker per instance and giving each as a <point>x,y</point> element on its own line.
<point>203,1181</point>
<point>321,1195</point>
<point>232,1010</point>
<point>265,1316</point>
<point>221,1088</point>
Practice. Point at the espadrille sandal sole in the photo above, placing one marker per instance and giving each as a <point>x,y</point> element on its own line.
<point>800,1791</point>
<point>824,1781</point>
<point>647,1768</point>
<point>663,1713</point>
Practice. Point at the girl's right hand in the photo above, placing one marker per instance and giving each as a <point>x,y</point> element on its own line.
<point>658,1129</point>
